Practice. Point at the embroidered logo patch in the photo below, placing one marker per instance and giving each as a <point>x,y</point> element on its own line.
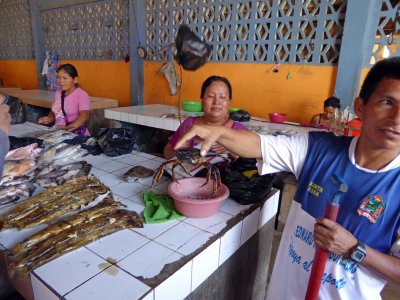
<point>371,208</point>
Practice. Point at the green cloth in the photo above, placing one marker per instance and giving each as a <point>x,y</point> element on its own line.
<point>160,208</point>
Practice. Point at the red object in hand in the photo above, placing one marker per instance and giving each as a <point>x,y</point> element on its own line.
<point>320,258</point>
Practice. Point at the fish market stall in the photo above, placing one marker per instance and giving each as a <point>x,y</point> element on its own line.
<point>225,255</point>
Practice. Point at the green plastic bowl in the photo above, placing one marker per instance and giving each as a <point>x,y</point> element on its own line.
<point>233,109</point>
<point>192,106</point>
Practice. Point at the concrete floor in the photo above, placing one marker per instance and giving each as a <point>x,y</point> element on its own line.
<point>390,292</point>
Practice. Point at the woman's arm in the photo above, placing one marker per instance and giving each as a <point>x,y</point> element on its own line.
<point>80,121</point>
<point>314,120</point>
<point>169,151</point>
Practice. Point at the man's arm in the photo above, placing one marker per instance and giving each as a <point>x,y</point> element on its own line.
<point>5,120</point>
<point>240,142</point>
<point>334,238</point>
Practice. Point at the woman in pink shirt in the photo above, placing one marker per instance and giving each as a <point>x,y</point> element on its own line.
<point>216,95</point>
<point>71,104</point>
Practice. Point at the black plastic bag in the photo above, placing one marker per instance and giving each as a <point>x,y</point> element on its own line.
<point>17,110</point>
<point>116,141</point>
<point>192,52</point>
<point>246,189</point>
<point>240,116</point>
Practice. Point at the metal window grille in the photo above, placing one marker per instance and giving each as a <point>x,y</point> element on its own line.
<point>91,31</point>
<point>387,32</point>
<point>298,32</point>
<point>16,40</point>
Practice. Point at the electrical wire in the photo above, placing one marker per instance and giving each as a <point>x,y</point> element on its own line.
<point>179,94</point>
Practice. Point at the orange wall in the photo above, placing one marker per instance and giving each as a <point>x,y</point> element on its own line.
<point>19,73</point>
<point>256,88</point>
<point>107,79</point>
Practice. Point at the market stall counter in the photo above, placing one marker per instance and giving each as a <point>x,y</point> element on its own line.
<point>38,103</point>
<point>223,256</point>
<point>166,117</point>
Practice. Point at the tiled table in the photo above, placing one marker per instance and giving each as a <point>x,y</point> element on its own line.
<point>152,115</point>
<point>173,260</point>
<point>45,98</point>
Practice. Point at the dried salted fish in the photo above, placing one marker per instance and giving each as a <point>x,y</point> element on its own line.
<point>71,239</point>
<point>106,206</point>
<point>51,194</point>
<point>55,209</point>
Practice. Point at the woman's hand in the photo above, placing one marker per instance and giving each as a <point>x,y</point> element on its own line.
<point>47,119</point>
<point>80,121</point>
<point>5,118</point>
<point>44,120</point>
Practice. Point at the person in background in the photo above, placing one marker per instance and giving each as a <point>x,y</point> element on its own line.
<point>331,106</point>
<point>5,120</point>
<point>3,98</point>
<point>364,242</point>
<point>216,95</point>
<point>71,105</point>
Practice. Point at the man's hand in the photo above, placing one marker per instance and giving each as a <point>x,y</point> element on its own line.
<point>334,238</point>
<point>5,118</point>
<point>209,134</point>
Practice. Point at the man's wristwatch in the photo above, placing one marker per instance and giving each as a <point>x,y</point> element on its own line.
<point>359,253</point>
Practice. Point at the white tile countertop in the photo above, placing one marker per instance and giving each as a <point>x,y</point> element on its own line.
<point>159,261</point>
<point>154,115</point>
<point>45,98</point>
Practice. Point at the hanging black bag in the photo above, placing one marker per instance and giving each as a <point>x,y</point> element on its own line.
<point>116,141</point>
<point>245,185</point>
<point>192,52</point>
<point>17,110</point>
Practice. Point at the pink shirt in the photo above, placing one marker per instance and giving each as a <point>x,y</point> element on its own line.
<point>75,102</point>
<point>186,125</point>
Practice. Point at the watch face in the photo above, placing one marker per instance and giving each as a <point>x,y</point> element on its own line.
<point>358,254</point>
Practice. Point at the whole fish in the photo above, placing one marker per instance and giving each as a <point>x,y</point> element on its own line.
<point>47,156</point>
<point>11,194</point>
<point>28,152</point>
<point>17,167</point>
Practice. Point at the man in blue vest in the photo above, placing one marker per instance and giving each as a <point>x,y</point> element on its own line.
<point>364,242</point>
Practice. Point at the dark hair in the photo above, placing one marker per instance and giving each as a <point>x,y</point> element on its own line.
<point>69,69</point>
<point>332,101</point>
<point>213,78</point>
<point>386,68</point>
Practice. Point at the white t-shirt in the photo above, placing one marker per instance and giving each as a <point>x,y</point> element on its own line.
<point>284,153</point>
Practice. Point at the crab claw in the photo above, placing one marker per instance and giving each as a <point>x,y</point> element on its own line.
<point>160,171</point>
<point>213,174</point>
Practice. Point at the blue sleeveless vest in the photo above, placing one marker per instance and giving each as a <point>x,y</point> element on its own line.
<point>370,209</point>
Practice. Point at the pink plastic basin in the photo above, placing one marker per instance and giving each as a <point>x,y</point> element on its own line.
<point>277,117</point>
<point>194,200</point>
